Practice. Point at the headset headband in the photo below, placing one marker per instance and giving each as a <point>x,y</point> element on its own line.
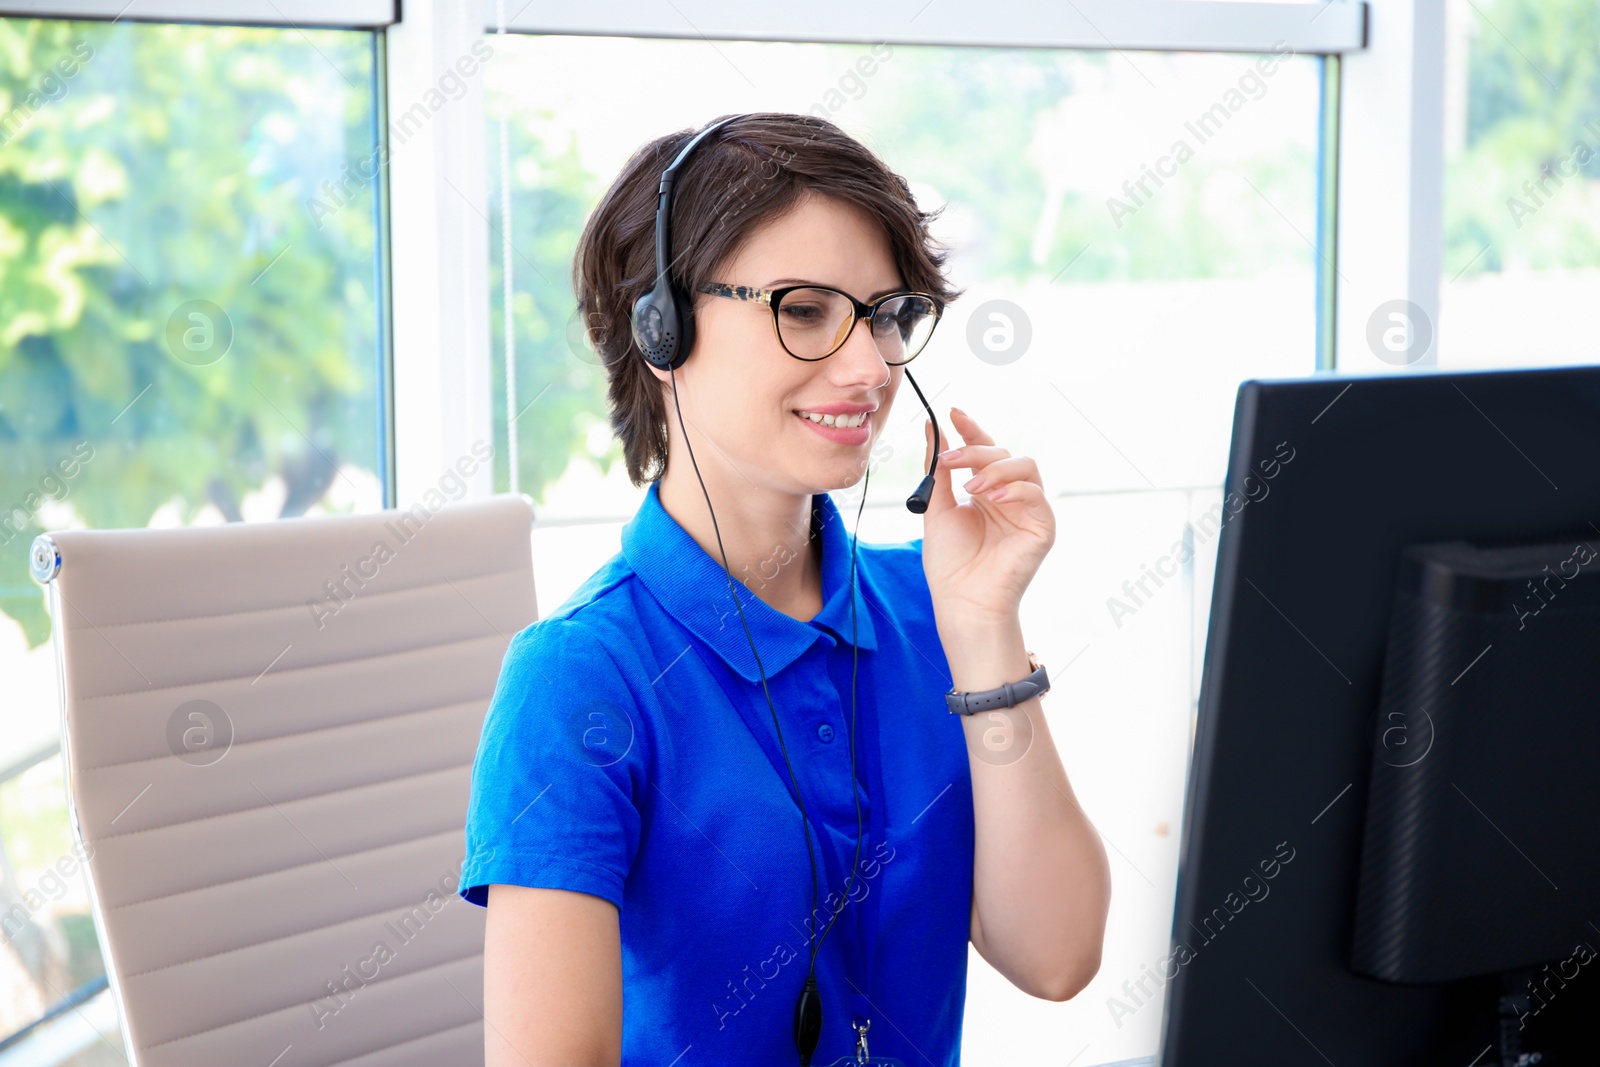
<point>663,319</point>
<point>664,193</point>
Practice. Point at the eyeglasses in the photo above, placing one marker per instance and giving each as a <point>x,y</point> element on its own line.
<point>813,321</point>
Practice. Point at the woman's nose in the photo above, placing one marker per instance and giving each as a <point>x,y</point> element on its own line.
<point>859,360</point>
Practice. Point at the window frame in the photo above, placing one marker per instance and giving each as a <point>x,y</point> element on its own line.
<point>1130,25</point>
<point>322,14</point>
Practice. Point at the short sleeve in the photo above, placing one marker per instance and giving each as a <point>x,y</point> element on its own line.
<point>556,779</point>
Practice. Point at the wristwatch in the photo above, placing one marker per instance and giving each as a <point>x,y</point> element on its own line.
<point>1007,696</point>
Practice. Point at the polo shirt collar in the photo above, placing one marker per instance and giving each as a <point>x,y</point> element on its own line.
<point>693,588</point>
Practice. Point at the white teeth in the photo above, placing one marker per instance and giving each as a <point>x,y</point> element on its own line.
<point>844,421</point>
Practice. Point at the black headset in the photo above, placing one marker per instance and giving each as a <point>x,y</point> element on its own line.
<point>663,330</point>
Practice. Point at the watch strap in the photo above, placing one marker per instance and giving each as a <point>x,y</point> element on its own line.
<point>1006,696</point>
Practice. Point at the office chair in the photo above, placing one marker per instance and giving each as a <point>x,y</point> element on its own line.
<point>268,732</point>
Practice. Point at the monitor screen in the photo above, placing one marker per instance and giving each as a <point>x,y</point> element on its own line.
<point>1331,479</point>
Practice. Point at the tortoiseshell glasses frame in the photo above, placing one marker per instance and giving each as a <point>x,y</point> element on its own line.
<point>903,321</point>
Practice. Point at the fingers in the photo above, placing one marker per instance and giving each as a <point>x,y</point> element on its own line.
<point>1017,469</point>
<point>968,428</point>
<point>1029,496</point>
<point>974,456</point>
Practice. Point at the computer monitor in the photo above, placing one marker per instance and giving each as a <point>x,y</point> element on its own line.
<point>1328,914</point>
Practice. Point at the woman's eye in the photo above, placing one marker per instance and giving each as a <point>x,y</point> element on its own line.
<point>802,314</point>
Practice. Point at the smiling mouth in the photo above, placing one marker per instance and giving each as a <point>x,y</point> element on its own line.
<point>842,422</point>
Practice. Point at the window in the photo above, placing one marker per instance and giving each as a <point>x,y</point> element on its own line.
<point>189,333</point>
<point>1522,183</point>
<point>1136,233</point>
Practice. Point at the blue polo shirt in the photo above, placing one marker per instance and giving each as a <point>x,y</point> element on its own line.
<point>629,753</point>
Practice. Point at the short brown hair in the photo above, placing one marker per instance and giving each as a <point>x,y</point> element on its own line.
<point>751,172</point>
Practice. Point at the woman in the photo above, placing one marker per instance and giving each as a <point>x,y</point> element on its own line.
<point>654,893</point>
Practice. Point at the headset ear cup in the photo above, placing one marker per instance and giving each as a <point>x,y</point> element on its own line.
<point>655,327</point>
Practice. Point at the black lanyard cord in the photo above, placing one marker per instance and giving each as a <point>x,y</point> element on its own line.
<point>808,1007</point>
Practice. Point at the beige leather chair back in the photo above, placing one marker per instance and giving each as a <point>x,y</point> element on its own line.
<point>268,732</point>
